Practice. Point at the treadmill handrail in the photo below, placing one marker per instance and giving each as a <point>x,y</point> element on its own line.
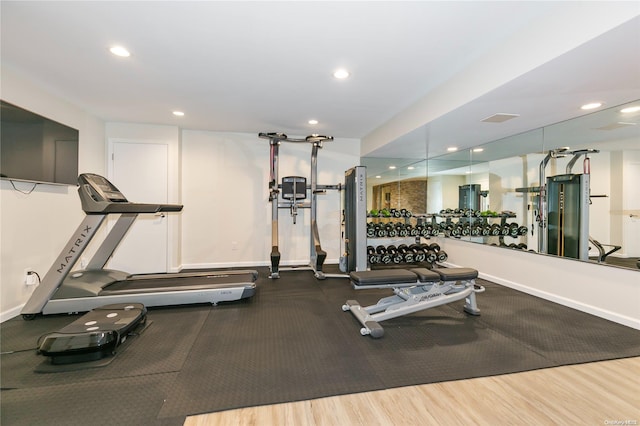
<point>92,206</point>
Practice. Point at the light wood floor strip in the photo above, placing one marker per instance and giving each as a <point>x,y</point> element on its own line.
<point>586,394</point>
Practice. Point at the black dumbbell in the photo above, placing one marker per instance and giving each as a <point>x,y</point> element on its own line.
<point>390,230</point>
<point>441,255</point>
<point>371,230</point>
<point>384,256</point>
<point>418,253</point>
<point>407,255</point>
<point>372,256</point>
<point>402,229</point>
<point>396,256</point>
<point>455,230</point>
<point>430,254</point>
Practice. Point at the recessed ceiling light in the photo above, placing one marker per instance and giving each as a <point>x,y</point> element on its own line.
<point>592,105</point>
<point>478,149</point>
<point>452,149</point>
<point>120,51</point>
<point>178,113</point>
<point>378,177</point>
<point>410,168</point>
<point>341,74</point>
<point>313,121</point>
<point>630,109</point>
<point>392,167</point>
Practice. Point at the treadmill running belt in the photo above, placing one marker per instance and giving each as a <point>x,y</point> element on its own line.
<point>177,283</point>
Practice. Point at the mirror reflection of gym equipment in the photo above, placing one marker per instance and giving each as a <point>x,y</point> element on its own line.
<point>291,194</point>
<point>563,209</point>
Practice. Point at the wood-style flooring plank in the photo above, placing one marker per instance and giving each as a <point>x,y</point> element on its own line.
<point>597,393</point>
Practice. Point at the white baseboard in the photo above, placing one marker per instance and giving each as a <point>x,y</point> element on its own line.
<point>11,313</point>
<point>220,265</point>
<point>583,307</point>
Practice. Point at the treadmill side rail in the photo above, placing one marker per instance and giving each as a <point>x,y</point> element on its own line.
<point>180,297</point>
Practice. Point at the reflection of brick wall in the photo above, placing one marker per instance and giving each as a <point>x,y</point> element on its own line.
<point>404,194</point>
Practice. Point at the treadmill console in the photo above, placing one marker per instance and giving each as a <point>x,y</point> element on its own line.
<point>101,189</point>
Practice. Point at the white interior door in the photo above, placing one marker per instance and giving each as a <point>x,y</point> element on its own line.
<point>139,171</point>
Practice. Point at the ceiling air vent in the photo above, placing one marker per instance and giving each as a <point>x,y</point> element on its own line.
<point>500,117</point>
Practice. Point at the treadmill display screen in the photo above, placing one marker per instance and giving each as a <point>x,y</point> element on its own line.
<point>103,188</point>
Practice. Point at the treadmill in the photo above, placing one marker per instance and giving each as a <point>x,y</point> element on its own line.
<point>65,291</point>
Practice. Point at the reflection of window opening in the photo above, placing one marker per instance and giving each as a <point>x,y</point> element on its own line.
<point>387,200</point>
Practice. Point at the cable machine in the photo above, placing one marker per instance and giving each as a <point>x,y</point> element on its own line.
<point>294,193</point>
<point>563,207</point>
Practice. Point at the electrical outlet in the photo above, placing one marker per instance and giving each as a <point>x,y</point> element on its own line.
<point>30,277</point>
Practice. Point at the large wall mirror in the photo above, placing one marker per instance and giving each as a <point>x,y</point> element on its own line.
<point>570,189</point>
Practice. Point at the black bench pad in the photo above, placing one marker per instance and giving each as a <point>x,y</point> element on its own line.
<point>455,274</point>
<point>426,275</point>
<point>383,276</point>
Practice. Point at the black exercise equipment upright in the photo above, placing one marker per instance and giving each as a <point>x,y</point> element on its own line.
<point>84,290</point>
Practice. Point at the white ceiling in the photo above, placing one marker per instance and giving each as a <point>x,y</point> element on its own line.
<point>267,66</point>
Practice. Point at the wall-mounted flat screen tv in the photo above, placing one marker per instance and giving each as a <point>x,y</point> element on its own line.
<point>35,148</point>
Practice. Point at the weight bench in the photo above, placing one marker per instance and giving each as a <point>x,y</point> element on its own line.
<point>414,290</point>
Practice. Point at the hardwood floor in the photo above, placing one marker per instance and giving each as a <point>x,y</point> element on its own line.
<point>601,393</point>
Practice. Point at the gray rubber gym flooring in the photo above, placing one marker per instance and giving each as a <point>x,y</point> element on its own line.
<point>290,342</point>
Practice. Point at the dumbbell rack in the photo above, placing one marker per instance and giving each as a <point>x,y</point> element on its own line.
<point>396,224</point>
<point>477,225</point>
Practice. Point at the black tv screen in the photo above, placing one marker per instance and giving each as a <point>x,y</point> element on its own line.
<point>35,148</point>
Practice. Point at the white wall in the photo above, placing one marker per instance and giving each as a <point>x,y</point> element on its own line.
<point>608,292</point>
<point>35,226</point>
<point>227,215</point>
<point>443,192</point>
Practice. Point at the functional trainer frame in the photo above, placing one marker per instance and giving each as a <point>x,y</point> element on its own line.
<point>317,256</point>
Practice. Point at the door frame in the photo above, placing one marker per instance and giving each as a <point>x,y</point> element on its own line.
<point>174,220</point>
